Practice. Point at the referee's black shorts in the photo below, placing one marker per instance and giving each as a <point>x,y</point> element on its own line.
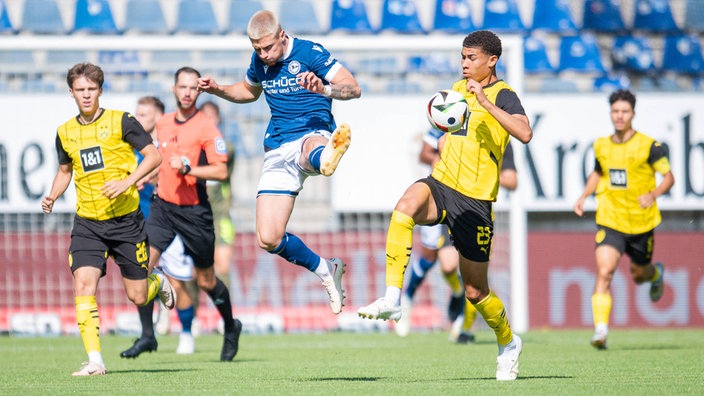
<point>194,224</point>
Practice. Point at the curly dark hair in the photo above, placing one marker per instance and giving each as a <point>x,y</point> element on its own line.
<point>486,40</point>
<point>623,94</point>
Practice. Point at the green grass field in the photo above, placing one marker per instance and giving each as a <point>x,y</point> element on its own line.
<point>638,362</point>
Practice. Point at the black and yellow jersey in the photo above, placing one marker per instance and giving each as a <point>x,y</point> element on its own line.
<point>100,152</point>
<point>471,158</point>
<point>628,171</point>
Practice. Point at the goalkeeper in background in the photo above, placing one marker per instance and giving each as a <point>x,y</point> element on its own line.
<point>627,212</point>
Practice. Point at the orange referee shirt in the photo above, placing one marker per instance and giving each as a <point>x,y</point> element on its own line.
<point>187,139</point>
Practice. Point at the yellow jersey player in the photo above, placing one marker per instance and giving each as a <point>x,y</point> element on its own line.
<point>460,192</point>
<point>627,212</point>
<point>95,148</point>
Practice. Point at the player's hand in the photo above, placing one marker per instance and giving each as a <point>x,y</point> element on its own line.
<point>47,204</point>
<point>175,162</point>
<point>114,188</point>
<point>311,82</point>
<point>579,207</point>
<point>646,200</point>
<point>207,84</point>
<point>477,89</point>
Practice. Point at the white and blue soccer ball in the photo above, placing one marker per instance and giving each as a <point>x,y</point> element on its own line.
<point>447,111</point>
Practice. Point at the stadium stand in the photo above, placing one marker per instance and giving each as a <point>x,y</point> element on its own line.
<point>535,56</point>
<point>42,17</point>
<point>502,16</point>
<point>239,13</point>
<point>94,16</point>
<point>5,23</point>
<point>553,16</point>
<point>145,17</point>
<point>299,17</point>
<point>683,54</point>
<point>580,53</point>
<point>603,16</point>
<point>694,16</point>
<point>350,16</point>
<point>654,16</point>
<point>401,16</point>
<point>196,17</point>
<point>453,16</point>
<point>632,54</point>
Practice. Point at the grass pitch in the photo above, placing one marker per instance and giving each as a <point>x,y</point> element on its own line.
<point>638,362</point>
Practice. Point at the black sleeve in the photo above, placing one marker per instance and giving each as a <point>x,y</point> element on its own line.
<point>61,153</point>
<point>597,166</point>
<point>508,101</point>
<point>657,151</point>
<point>133,132</point>
<point>508,162</point>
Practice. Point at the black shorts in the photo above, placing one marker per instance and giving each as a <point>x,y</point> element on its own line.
<point>469,220</point>
<point>123,238</point>
<point>639,247</point>
<point>194,224</point>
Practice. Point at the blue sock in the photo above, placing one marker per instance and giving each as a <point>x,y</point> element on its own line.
<point>418,271</point>
<point>186,317</point>
<point>295,251</point>
<point>314,157</point>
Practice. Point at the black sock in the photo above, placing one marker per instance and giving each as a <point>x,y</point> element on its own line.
<point>145,316</point>
<point>221,298</point>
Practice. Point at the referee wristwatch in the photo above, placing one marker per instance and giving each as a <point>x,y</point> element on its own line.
<point>186,166</point>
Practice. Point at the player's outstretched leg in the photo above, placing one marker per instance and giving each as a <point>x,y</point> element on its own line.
<point>337,146</point>
<point>507,361</point>
<point>657,286</point>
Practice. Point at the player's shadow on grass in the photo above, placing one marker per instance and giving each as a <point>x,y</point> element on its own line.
<point>351,379</point>
<point>644,347</point>
<point>144,371</point>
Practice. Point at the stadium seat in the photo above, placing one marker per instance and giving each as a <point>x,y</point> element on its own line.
<point>558,85</point>
<point>683,54</point>
<point>603,16</point>
<point>121,62</point>
<point>350,16</point>
<point>608,83</point>
<point>401,16</point>
<point>196,17</point>
<point>42,17</point>
<point>580,53</point>
<point>659,84</point>
<point>434,64</point>
<point>633,54</point>
<point>453,16</point>
<point>535,56</point>
<point>62,60</point>
<point>553,16</point>
<point>94,16</point>
<point>298,17</point>
<point>654,16</point>
<point>502,16</point>
<point>145,16</point>
<point>17,61</point>
<point>239,13</point>
<point>694,16</point>
<point>166,61</point>
<point>5,23</point>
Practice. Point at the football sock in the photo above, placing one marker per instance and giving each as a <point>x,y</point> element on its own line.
<point>656,274</point>
<point>186,317</point>
<point>96,357</point>
<point>314,157</point>
<point>492,310</point>
<point>323,270</point>
<point>418,271</point>
<point>601,308</point>
<point>146,313</point>
<point>88,321</point>
<point>153,286</point>
<point>393,294</point>
<point>453,280</point>
<point>293,250</point>
<point>221,298</point>
<point>399,241</point>
<point>470,314</point>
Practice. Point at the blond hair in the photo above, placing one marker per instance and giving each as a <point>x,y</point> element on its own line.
<point>262,23</point>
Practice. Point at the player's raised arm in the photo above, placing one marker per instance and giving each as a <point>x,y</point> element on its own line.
<point>239,92</point>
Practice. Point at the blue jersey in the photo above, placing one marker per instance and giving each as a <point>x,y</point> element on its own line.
<point>432,136</point>
<point>145,194</point>
<point>295,111</point>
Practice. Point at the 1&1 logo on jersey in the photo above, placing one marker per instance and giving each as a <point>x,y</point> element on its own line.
<point>92,159</point>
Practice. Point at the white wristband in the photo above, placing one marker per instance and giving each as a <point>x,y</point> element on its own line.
<point>327,90</point>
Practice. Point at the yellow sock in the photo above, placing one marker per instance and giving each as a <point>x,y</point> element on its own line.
<point>153,286</point>
<point>88,321</point>
<point>470,314</point>
<point>453,280</point>
<point>399,241</point>
<point>656,274</point>
<point>492,310</point>
<point>601,308</point>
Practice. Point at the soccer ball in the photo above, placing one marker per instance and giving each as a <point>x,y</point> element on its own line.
<point>447,110</point>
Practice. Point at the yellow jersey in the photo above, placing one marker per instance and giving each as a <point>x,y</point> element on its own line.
<point>628,171</point>
<point>99,152</point>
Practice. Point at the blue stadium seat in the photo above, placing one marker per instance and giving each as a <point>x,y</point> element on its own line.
<point>535,56</point>
<point>580,54</point>
<point>298,17</point>
<point>633,54</point>
<point>659,84</point>
<point>683,54</point>
<point>553,16</point>
<point>502,16</point>
<point>434,64</point>
<point>654,16</point>
<point>62,60</point>
<point>694,16</point>
<point>558,85</point>
<point>42,17</point>
<point>608,83</point>
<point>401,16</point>
<point>17,61</point>
<point>5,23</point>
<point>603,16</point>
<point>196,17</point>
<point>94,16</point>
<point>453,16</point>
<point>145,16</point>
<point>239,13</point>
<point>350,16</point>
<point>121,62</point>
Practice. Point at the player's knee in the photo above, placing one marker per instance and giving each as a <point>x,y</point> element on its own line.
<point>269,242</point>
<point>139,300</point>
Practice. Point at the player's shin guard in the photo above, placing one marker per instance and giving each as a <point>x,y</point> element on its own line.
<point>221,298</point>
<point>293,250</point>
<point>492,310</point>
<point>88,321</point>
<point>399,241</point>
<point>601,308</point>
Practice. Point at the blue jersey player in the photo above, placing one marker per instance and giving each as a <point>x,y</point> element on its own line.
<point>299,79</point>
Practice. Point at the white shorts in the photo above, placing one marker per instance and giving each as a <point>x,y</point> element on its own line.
<point>175,262</point>
<point>435,236</point>
<point>282,173</point>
